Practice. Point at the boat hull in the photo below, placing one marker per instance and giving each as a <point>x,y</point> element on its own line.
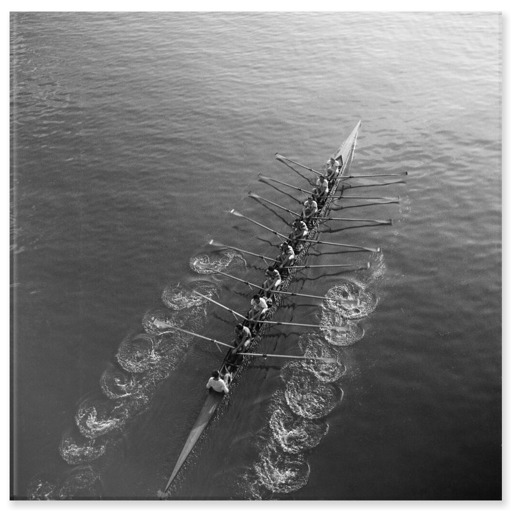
<point>214,399</point>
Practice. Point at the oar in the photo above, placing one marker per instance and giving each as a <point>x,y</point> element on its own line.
<point>370,198</point>
<point>377,184</point>
<point>256,196</point>
<point>218,244</point>
<point>344,265</point>
<point>281,157</point>
<point>265,179</point>
<point>293,294</point>
<point>369,249</point>
<point>363,205</point>
<point>324,359</point>
<point>221,305</point>
<point>276,291</point>
<point>335,328</point>
<point>295,170</point>
<point>252,354</point>
<point>375,221</point>
<point>405,173</point>
<point>173,328</point>
<point>238,214</point>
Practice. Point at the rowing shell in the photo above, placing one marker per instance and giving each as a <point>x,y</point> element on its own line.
<point>214,399</point>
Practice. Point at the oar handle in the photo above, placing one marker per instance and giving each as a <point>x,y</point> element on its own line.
<point>281,157</point>
<point>256,196</point>
<point>238,214</point>
<point>221,305</point>
<point>266,178</point>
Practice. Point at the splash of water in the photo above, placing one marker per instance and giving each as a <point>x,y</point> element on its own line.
<point>347,332</point>
<point>295,434</point>
<point>179,297</point>
<point>117,383</point>
<point>281,472</point>
<point>84,482</point>
<point>41,489</point>
<point>378,267</point>
<point>314,346</point>
<point>81,450</point>
<point>137,353</point>
<point>96,418</point>
<point>309,398</point>
<point>161,321</point>
<point>350,299</point>
<point>206,264</point>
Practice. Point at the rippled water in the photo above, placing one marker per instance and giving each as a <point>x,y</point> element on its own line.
<point>133,136</point>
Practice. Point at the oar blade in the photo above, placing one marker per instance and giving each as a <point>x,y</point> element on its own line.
<point>235,213</point>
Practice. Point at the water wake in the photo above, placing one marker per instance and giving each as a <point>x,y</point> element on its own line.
<point>206,264</point>
<point>309,398</point>
<point>78,450</point>
<point>295,434</point>
<point>280,472</point>
<point>351,300</point>
<point>313,345</point>
<point>180,297</point>
<point>83,482</point>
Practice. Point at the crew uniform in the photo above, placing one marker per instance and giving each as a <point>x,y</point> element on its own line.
<point>323,188</point>
<point>258,309</point>
<point>300,231</point>
<point>272,283</point>
<point>286,258</point>
<point>309,210</point>
<point>243,336</point>
<point>217,384</point>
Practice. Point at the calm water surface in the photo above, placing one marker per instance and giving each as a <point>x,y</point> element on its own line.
<point>134,134</point>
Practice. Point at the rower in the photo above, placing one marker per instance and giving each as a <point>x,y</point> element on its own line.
<point>259,308</point>
<point>272,283</point>
<point>286,258</point>
<point>218,384</point>
<point>309,210</point>
<point>243,337</point>
<point>323,188</point>
<point>300,231</point>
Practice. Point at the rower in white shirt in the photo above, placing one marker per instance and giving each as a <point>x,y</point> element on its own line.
<point>300,231</point>
<point>323,188</point>
<point>218,384</point>
<point>309,209</point>
<point>286,258</point>
<point>272,283</point>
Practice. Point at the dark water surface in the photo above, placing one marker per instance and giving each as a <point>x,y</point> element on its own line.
<point>134,134</point>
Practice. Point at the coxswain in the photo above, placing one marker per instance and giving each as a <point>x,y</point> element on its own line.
<point>323,188</point>
<point>300,231</point>
<point>243,337</point>
<point>309,210</point>
<point>218,384</point>
<point>286,258</point>
<point>259,308</point>
<point>272,283</point>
